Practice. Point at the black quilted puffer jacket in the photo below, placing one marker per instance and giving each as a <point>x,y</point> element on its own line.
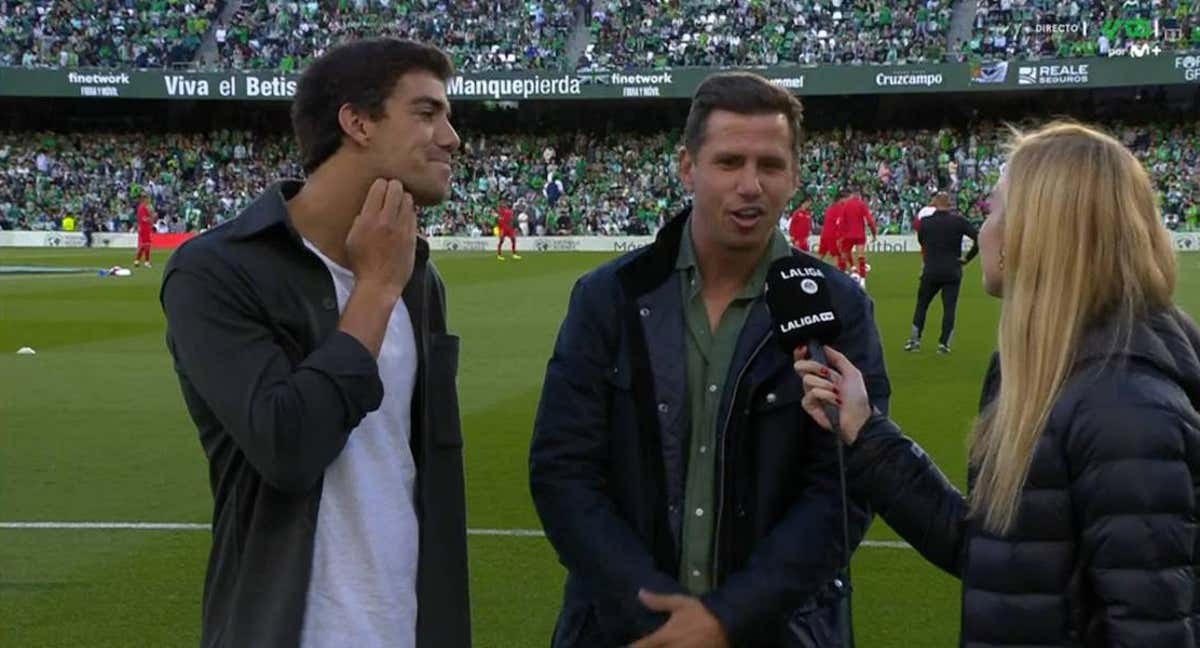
<point>1104,551</point>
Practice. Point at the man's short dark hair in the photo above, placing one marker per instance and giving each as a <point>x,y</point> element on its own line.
<point>362,73</point>
<point>743,93</point>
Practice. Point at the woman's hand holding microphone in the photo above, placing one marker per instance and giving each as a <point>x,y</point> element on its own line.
<point>840,386</point>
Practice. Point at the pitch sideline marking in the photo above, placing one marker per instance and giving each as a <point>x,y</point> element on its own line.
<point>192,526</point>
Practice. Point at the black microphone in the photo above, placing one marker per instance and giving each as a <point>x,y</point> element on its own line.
<point>802,312</point>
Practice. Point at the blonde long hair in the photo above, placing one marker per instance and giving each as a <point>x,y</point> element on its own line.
<point>1083,243</point>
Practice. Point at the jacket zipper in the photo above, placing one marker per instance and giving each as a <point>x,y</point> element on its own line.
<point>716,557</point>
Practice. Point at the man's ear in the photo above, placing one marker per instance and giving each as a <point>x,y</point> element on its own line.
<point>685,168</point>
<point>354,124</point>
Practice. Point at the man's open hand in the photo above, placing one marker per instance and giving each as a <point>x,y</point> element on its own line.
<point>691,624</point>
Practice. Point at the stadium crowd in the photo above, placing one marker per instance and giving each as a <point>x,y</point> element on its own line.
<point>632,34</point>
<point>478,34</point>
<point>104,33</point>
<point>1078,28</point>
<point>533,34</point>
<point>570,183</point>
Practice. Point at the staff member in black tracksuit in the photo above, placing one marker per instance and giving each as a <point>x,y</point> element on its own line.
<point>940,235</point>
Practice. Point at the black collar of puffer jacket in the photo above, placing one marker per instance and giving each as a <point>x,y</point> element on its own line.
<point>1167,339</point>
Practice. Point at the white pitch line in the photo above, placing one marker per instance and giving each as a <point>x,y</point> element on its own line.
<point>193,526</point>
<point>509,533</point>
<point>109,526</point>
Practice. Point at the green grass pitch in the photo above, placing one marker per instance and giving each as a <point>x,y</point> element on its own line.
<point>93,428</point>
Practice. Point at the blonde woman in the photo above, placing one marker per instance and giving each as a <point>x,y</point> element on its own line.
<point>1080,526</point>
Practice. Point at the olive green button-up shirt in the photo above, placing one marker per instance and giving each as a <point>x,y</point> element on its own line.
<point>709,354</point>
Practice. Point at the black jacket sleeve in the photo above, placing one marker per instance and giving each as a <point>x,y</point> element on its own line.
<point>908,491</point>
<point>569,466</point>
<point>970,231</point>
<point>805,550</point>
<point>1132,493</point>
<point>290,420</point>
<point>861,344</point>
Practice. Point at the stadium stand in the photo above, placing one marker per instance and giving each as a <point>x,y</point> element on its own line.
<point>479,34</point>
<point>613,35</point>
<point>616,184</point>
<point>1075,28</point>
<point>104,33</point>
<point>628,33</point>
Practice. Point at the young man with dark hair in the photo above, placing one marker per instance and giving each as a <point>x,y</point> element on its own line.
<point>309,335</point>
<point>692,500</point>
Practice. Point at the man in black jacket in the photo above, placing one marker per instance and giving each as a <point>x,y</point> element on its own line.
<point>309,336</point>
<point>941,234</point>
<point>690,497</point>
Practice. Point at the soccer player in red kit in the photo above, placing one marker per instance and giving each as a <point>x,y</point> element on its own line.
<point>145,227</point>
<point>800,226</point>
<point>855,217</point>
<point>505,223</point>
<point>830,234</point>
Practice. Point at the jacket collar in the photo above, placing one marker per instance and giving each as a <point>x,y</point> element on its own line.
<point>269,212</point>
<point>654,266</point>
<point>650,269</point>
<point>1166,339</point>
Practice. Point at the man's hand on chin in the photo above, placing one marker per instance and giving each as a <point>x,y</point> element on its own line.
<point>691,624</point>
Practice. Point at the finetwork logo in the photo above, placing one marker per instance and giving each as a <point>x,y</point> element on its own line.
<point>98,85</point>
<point>641,79</point>
<point>642,85</point>
<point>77,78</point>
<point>1052,75</point>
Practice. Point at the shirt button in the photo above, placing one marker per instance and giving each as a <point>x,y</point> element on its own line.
<point>703,449</point>
<point>696,573</point>
<point>712,389</point>
<point>645,312</point>
<point>699,512</point>
<point>663,408</point>
<point>771,398</point>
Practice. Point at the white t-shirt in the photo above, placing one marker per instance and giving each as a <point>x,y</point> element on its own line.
<point>363,588</point>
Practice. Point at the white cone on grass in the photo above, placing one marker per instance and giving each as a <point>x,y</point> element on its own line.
<point>25,351</point>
